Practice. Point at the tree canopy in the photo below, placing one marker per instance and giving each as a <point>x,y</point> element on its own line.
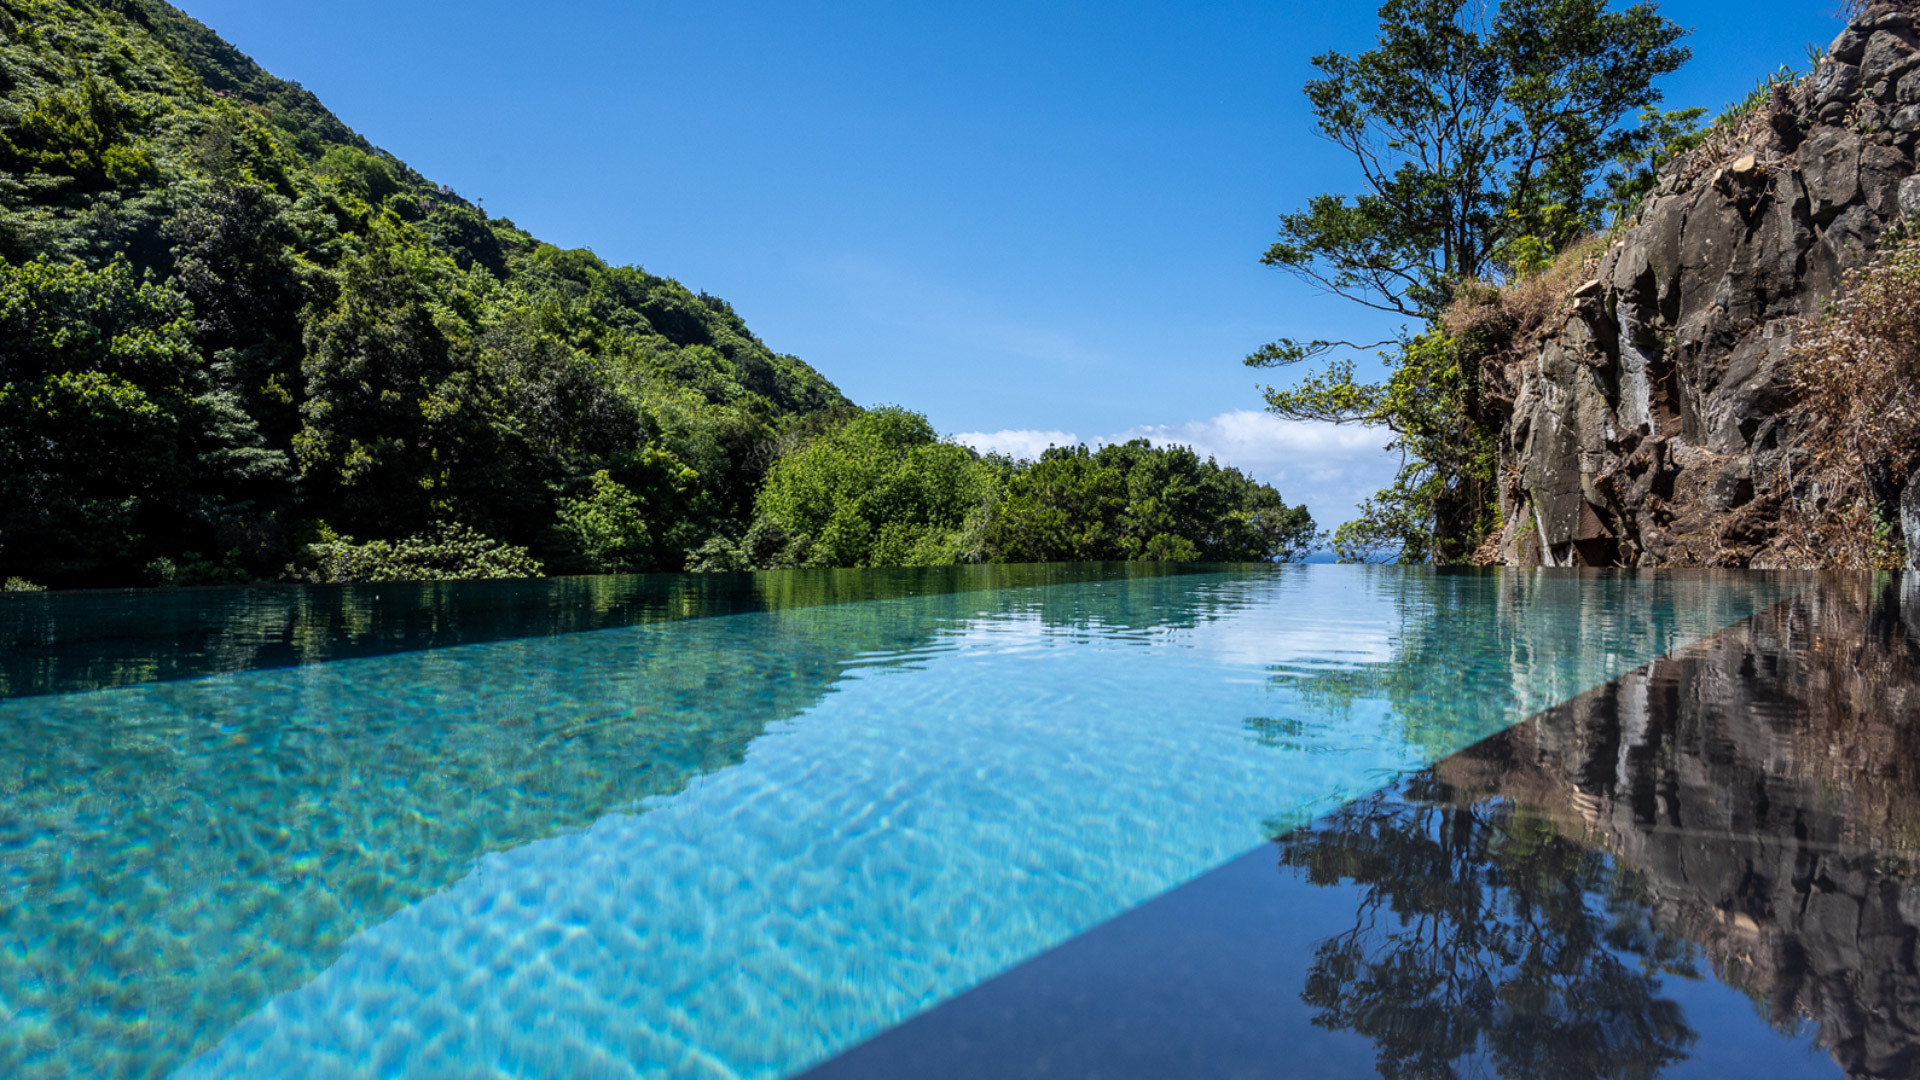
<point>1484,138</point>
<point>237,341</point>
<point>1479,132</point>
<point>1136,501</point>
<point>881,489</point>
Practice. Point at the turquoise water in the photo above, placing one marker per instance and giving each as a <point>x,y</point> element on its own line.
<point>725,846</point>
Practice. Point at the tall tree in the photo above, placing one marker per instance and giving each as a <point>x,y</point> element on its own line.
<point>1480,135</point>
<point>1480,132</point>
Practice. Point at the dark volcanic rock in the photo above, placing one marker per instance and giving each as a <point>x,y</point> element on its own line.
<point>1649,424</point>
<point>1888,56</point>
<point>1910,519</point>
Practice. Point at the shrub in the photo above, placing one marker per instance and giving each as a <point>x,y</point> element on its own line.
<point>1488,315</point>
<point>451,552</point>
<point>604,530</point>
<point>364,174</point>
<point>82,131</point>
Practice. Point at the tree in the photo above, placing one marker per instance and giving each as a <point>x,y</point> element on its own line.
<point>1443,498</point>
<point>365,175</point>
<point>1481,133</point>
<point>880,490</point>
<point>98,380</point>
<point>399,418</point>
<point>1137,501</point>
<point>233,258</point>
<point>1065,507</point>
<point>604,530</point>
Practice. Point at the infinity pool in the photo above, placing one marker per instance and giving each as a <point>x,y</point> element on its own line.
<point>661,827</point>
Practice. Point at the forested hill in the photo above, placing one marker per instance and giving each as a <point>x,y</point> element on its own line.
<point>238,343</point>
<point>232,332</point>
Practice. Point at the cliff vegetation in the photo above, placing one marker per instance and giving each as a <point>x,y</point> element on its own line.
<point>1717,370</point>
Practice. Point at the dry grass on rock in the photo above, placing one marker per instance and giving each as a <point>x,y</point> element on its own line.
<point>1494,325</point>
<point>1857,375</point>
<point>1514,311</point>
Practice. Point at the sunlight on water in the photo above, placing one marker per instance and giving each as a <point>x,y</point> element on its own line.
<point>727,846</point>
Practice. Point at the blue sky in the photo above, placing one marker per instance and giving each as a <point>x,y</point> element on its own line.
<point>1032,222</point>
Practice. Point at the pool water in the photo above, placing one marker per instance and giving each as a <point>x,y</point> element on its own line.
<point>1707,868</point>
<point>727,845</point>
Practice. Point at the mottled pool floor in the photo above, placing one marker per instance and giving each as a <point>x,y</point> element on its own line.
<point>731,846</point>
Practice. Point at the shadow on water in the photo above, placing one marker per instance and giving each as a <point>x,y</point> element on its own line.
<point>1747,809</point>
<point>1708,867</point>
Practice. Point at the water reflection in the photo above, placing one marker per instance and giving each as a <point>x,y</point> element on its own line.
<point>1749,808</point>
<point>1445,672</point>
<point>61,642</point>
<point>1485,935</point>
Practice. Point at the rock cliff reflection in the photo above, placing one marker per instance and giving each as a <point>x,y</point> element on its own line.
<point>1747,808</point>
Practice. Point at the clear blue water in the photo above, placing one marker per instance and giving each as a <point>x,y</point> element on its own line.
<point>725,846</point>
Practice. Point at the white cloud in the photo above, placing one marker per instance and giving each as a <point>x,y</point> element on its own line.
<point>1330,467</point>
<point>1024,444</point>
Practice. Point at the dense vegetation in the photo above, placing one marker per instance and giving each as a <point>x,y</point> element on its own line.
<point>1488,138</point>
<point>239,343</point>
<point>883,490</point>
<point>229,329</point>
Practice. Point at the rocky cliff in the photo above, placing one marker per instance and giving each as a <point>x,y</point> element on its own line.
<point>1651,422</point>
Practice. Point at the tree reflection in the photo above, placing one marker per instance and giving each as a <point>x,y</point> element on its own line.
<point>1485,940</point>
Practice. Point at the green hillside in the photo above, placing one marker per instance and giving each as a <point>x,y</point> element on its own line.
<point>229,327</point>
<point>238,343</point>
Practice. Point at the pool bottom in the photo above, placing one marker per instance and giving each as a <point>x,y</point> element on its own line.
<point>726,847</point>
<point>1704,868</point>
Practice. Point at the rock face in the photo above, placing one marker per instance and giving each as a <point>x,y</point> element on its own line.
<point>1654,414</point>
